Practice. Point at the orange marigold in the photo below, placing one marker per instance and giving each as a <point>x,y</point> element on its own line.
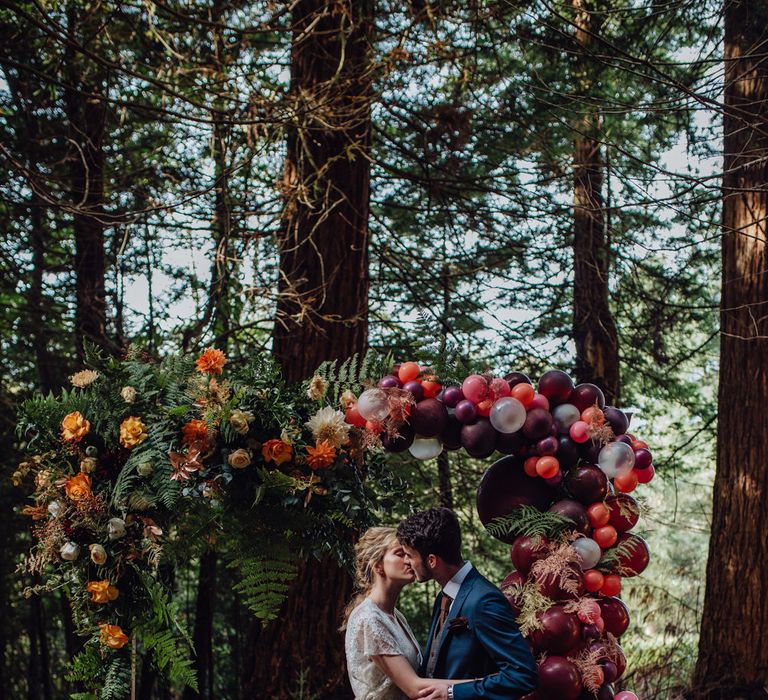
<point>321,455</point>
<point>78,488</point>
<point>276,451</point>
<point>112,636</point>
<point>102,591</point>
<point>74,427</point>
<point>212,361</point>
<point>196,431</point>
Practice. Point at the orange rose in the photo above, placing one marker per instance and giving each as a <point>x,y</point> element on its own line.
<point>78,488</point>
<point>74,427</point>
<point>321,455</point>
<point>196,431</point>
<point>102,591</point>
<point>276,451</point>
<point>112,636</point>
<point>132,432</point>
<point>212,361</point>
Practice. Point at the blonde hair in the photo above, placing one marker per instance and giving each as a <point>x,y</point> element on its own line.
<point>369,551</point>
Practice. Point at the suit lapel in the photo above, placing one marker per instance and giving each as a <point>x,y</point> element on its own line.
<point>461,596</point>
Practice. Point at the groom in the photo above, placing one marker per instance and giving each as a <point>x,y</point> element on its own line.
<point>473,633</point>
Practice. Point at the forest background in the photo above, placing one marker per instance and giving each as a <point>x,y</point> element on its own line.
<point>522,185</point>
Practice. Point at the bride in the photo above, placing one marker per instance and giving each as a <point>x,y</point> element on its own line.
<point>382,654</point>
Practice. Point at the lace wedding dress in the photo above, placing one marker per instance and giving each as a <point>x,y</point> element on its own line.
<point>372,631</point>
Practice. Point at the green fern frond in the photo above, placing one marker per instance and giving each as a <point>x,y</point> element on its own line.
<point>529,521</point>
<point>117,683</point>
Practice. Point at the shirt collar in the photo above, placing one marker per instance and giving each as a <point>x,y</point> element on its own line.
<point>452,587</point>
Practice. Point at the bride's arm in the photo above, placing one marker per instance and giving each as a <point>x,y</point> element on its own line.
<point>404,677</point>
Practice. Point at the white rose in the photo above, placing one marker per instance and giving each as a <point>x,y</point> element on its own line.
<point>116,528</point>
<point>55,508</point>
<point>70,551</point>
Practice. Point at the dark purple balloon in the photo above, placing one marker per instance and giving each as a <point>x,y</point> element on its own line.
<point>610,671</point>
<point>465,411</point>
<point>590,451</point>
<point>479,439</point>
<point>451,435</point>
<point>510,443</point>
<point>451,395</point>
<point>390,382</point>
<point>537,424</point>
<point>526,551</point>
<point>587,484</point>
<point>415,389</point>
<point>559,678</point>
<point>555,480</point>
<point>623,438</point>
<point>590,632</point>
<point>547,446</point>
<point>428,417</point>
<point>401,443</point>
<point>559,633</point>
<point>567,452</point>
<point>514,378</point>
<point>556,385</point>
<point>614,614</point>
<point>574,511</point>
<point>617,419</point>
<point>585,395</point>
<point>643,458</point>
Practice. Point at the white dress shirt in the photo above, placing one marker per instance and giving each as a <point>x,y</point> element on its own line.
<point>452,587</point>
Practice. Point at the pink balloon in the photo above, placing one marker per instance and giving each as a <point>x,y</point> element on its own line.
<point>539,401</point>
<point>579,431</point>
<point>499,388</point>
<point>475,388</point>
<point>625,695</point>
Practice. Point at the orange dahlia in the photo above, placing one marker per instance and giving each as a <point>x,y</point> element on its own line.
<point>212,361</point>
<point>196,431</point>
<point>321,455</point>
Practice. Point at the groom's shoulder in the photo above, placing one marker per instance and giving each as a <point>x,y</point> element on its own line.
<point>483,587</point>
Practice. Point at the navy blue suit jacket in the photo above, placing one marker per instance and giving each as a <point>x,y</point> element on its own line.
<point>490,647</point>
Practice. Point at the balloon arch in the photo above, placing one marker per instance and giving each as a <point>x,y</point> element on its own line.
<point>143,463</point>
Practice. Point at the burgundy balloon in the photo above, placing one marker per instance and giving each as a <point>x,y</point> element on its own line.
<point>465,411</point>
<point>451,395</point>
<point>428,418</point>
<point>623,438</point>
<point>505,486</point>
<point>587,484</point>
<point>451,435</point>
<point>625,511</point>
<point>574,511</point>
<point>559,633</point>
<point>552,584</point>
<point>643,458</point>
<point>567,452</point>
<point>556,385</point>
<point>514,378</point>
<point>400,443</point>
<point>415,389</point>
<point>617,418</point>
<point>585,395</point>
<point>507,588</point>
<point>555,480</point>
<point>559,678</point>
<point>510,443</point>
<point>614,614</point>
<point>396,368</point>
<point>390,382</point>
<point>620,660</point>
<point>610,671</point>
<point>590,451</point>
<point>525,551</point>
<point>590,632</point>
<point>637,555</point>
<point>537,424</point>
<point>547,446</point>
<point>479,439</point>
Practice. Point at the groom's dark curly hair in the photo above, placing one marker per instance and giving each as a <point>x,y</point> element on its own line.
<point>434,531</point>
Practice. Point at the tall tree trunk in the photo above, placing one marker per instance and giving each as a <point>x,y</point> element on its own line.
<point>733,645</point>
<point>322,309</point>
<point>203,632</point>
<point>87,118</point>
<point>594,330</point>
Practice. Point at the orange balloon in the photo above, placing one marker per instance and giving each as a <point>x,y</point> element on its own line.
<point>484,408</point>
<point>605,536</point>
<point>627,482</point>
<point>408,371</point>
<point>431,387</point>
<point>373,426</point>
<point>611,585</point>
<point>547,467</point>
<point>593,580</point>
<point>523,392</point>
<point>530,466</point>
<point>599,514</point>
<point>593,415</point>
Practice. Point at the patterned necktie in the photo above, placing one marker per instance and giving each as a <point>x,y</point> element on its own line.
<point>445,606</point>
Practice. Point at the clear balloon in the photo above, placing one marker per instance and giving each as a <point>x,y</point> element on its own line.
<point>588,550</point>
<point>425,448</point>
<point>616,459</point>
<point>565,416</point>
<point>507,415</point>
<point>373,405</point>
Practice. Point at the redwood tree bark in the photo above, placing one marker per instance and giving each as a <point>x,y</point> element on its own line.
<point>594,330</point>
<point>322,309</point>
<point>733,645</point>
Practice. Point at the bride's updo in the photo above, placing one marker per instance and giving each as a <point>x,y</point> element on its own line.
<point>369,551</point>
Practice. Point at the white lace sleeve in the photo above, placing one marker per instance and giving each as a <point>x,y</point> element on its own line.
<point>374,637</point>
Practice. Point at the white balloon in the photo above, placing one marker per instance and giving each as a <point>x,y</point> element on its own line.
<point>507,415</point>
<point>616,459</point>
<point>425,448</point>
<point>373,405</point>
<point>565,415</point>
<point>588,550</point>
